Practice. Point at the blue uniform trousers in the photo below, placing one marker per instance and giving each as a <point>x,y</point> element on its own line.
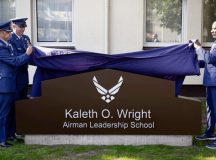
<point>21,94</point>
<point>6,103</point>
<point>12,122</point>
<point>22,91</point>
<point>211,109</point>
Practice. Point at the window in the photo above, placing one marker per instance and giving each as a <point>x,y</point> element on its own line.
<point>163,21</point>
<point>8,10</point>
<point>209,16</point>
<point>54,21</point>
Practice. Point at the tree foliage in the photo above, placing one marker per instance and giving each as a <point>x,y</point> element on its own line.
<point>169,13</point>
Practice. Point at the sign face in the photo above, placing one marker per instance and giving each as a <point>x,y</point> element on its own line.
<point>108,102</point>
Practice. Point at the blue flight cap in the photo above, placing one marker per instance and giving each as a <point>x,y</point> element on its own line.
<point>21,22</point>
<point>6,26</point>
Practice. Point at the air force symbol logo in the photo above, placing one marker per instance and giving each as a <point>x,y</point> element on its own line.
<point>108,95</point>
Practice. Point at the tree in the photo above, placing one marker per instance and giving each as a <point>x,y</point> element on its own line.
<point>169,13</point>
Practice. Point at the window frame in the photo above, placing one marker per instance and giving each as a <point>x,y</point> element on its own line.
<point>50,44</point>
<point>162,44</point>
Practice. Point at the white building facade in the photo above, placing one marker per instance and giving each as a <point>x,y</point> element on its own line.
<point>111,26</point>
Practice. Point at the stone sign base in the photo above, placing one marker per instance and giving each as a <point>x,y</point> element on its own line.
<point>171,140</point>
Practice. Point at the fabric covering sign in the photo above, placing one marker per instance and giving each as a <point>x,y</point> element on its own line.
<point>172,63</point>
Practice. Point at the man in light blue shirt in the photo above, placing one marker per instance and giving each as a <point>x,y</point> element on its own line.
<point>209,81</point>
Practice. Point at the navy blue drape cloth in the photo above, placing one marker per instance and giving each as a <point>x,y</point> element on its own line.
<point>172,63</point>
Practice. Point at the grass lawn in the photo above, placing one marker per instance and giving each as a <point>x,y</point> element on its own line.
<point>70,152</point>
<point>20,151</point>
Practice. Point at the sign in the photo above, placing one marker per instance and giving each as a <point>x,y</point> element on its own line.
<point>109,102</point>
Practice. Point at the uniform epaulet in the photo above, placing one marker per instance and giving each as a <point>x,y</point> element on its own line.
<point>1,44</point>
<point>25,36</point>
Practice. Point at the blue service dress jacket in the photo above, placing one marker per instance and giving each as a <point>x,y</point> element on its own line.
<point>20,44</point>
<point>209,57</point>
<point>8,64</point>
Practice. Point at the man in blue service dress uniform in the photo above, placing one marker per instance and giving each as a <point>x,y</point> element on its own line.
<point>20,43</point>
<point>209,81</point>
<point>8,63</point>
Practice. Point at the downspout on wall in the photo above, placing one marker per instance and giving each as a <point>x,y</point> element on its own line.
<point>106,26</point>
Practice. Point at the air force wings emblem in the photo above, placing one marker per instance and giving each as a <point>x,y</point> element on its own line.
<point>108,95</point>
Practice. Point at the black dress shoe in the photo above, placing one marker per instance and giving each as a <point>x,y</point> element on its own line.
<point>212,145</point>
<point>5,144</point>
<point>19,136</point>
<point>11,138</point>
<point>15,139</point>
<point>206,137</point>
